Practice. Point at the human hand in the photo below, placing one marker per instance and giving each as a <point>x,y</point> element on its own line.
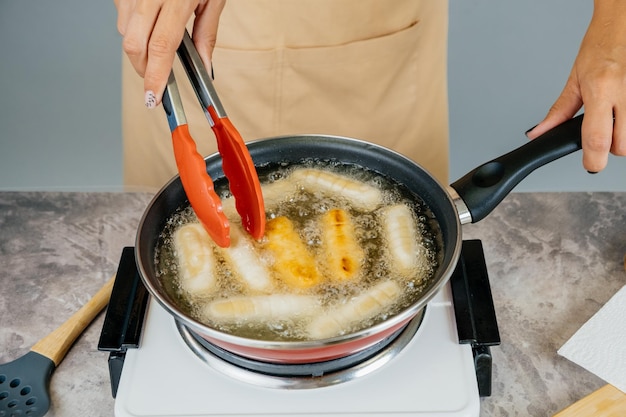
<point>152,31</point>
<point>597,81</point>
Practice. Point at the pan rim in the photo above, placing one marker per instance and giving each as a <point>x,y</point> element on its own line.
<point>451,251</point>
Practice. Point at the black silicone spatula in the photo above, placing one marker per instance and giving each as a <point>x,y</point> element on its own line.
<point>24,382</point>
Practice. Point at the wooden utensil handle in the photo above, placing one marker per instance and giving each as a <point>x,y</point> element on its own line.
<point>55,345</point>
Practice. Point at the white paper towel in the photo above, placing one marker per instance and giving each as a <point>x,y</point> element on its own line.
<point>600,344</point>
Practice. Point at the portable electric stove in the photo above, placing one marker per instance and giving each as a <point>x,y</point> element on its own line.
<point>438,365</point>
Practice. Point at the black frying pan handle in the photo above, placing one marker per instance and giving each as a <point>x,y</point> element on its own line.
<point>483,188</point>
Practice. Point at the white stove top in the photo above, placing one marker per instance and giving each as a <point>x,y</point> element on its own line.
<point>432,376</point>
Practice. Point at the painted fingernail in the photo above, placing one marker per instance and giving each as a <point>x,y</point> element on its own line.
<point>592,172</point>
<point>526,133</point>
<point>212,73</point>
<point>150,99</point>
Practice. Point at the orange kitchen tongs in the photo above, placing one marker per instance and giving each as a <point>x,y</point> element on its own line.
<point>236,160</point>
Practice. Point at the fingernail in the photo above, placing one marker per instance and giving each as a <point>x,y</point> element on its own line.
<point>212,73</point>
<point>526,133</point>
<point>150,99</point>
<point>592,172</point>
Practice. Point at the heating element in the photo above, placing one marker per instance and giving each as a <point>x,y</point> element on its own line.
<point>439,365</point>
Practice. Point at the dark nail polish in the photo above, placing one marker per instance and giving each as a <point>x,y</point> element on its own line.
<point>592,172</point>
<point>212,73</point>
<point>526,133</point>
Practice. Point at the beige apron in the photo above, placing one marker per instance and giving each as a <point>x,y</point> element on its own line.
<point>368,69</point>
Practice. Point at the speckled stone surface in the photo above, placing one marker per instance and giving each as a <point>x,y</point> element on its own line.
<point>56,251</point>
<point>553,258</point>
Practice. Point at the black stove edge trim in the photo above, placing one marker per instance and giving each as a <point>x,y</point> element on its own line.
<point>471,294</point>
<point>474,310</point>
<point>123,322</point>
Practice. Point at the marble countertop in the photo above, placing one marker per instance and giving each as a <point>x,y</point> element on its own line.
<point>553,258</point>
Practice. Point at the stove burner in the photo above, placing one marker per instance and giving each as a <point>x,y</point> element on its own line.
<point>301,376</point>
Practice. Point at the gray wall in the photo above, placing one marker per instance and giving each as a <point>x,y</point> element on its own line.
<point>508,61</point>
<point>59,95</point>
<point>60,90</point>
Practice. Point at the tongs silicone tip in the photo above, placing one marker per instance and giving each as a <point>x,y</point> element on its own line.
<point>241,173</point>
<point>237,163</point>
<point>199,187</point>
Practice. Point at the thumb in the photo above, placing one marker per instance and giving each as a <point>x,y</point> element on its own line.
<point>564,108</point>
<point>205,29</point>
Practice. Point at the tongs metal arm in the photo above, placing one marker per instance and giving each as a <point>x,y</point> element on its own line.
<point>173,104</point>
<point>199,78</point>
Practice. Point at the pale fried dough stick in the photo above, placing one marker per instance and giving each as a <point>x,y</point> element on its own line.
<point>262,307</point>
<point>402,239</point>
<point>362,197</point>
<point>274,193</point>
<point>364,306</point>
<point>278,191</point>
<point>196,261</point>
<point>243,258</point>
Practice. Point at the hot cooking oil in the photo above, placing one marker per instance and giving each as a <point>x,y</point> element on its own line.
<point>304,208</point>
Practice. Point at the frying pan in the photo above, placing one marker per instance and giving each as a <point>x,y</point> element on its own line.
<point>467,200</point>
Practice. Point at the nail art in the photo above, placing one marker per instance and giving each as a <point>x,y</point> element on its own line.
<point>150,99</point>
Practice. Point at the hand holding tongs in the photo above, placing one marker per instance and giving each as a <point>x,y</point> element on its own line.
<point>236,161</point>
